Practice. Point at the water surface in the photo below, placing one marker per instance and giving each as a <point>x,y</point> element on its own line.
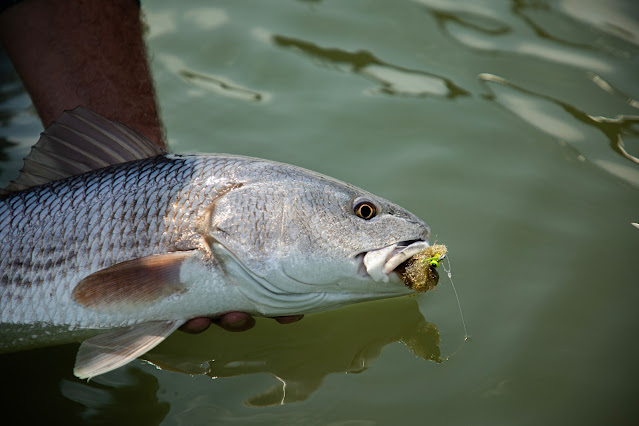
<point>511,127</point>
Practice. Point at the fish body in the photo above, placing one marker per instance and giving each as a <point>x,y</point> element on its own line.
<point>129,251</point>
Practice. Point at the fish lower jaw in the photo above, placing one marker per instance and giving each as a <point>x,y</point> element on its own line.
<point>377,275</point>
<point>381,264</point>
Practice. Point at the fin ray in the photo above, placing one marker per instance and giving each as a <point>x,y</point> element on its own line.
<point>134,282</point>
<point>80,140</point>
<point>106,352</point>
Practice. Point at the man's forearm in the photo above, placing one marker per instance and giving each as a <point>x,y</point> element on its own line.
<point>91,53</point>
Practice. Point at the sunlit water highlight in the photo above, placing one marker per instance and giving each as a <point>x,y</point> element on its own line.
<point>510,127</point>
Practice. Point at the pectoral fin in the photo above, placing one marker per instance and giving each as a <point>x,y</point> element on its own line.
<point>109,351</point>
<point>133,283</point>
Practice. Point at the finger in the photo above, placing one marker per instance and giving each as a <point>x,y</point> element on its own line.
<point>235,321</point>
<point>196,325</point>
<point>288,319</point>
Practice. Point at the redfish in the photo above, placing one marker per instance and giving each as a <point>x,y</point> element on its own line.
<point>108,239</point>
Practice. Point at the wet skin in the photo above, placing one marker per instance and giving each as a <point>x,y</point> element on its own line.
<point>232,321</point>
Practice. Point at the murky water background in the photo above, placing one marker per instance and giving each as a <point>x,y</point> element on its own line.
<point>511,127</point>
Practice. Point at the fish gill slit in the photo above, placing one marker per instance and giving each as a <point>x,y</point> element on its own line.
<point>205,224</point>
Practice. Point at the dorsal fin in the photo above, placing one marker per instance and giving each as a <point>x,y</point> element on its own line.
<point>79,141</point>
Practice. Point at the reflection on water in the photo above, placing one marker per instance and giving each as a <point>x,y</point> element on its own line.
<point>298,356</point>
<point>210,83</point>
<point>393,79</point>
<point>41,387</point>
<point>479,27</point>
<point>19,125</point>
<point>168,21</point>
<point>584,133</point>
<point>607,87</point>
<point>5,144</point>
<point>498,102</point>
<point>220,86</point>
<point>536,30</point>
<point>301,355</point>
<point>129,390</point>
<point>617,17</point>
<point>10,90</point>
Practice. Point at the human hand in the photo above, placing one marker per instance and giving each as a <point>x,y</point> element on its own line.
<point>232,321</point>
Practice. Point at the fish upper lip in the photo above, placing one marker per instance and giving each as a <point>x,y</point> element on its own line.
<point>378,264</point>
<point>402,253</point>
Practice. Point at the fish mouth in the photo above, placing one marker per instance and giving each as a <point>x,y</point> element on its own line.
<point>380,264</point>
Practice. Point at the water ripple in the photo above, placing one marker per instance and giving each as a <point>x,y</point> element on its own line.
<point>521,35</point>
<point>589,136</point>
<point>393,79</point>
<point>208,82</point>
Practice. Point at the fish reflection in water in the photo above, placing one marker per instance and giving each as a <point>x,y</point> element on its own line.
<point>300,357</point>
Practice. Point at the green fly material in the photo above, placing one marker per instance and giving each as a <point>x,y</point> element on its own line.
<point>419,272</point>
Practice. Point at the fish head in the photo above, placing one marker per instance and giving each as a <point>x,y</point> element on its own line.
<point>300,235</point>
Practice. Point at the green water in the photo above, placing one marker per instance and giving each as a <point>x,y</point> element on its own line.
<point>509,127</point>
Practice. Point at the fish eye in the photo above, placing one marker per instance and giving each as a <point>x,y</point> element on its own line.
<point>365,209</point>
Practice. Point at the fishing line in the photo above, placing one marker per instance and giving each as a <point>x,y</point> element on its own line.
<point>450,277</point>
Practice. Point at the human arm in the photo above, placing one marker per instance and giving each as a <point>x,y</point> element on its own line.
<point>92,53</point>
